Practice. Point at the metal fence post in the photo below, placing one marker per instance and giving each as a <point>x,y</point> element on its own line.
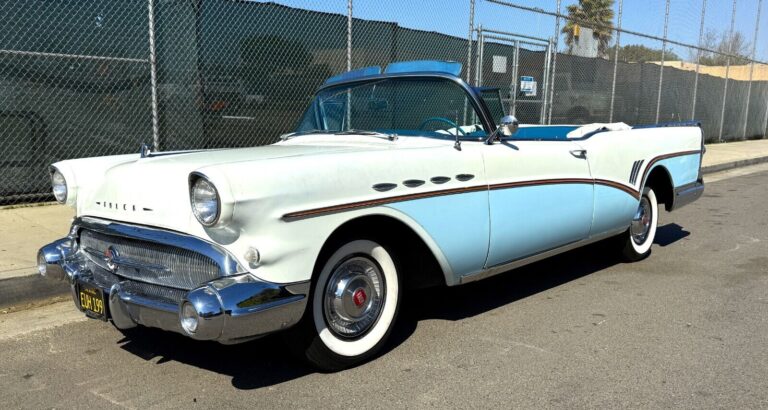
<point>661,69</point>
<point>554,64</point>
<point>545,86</point>
<point>698,59</point>
<point>153,76</point>
<point>751,68</point>
<point>515,72</point>
<point>349,61</point>
<point>349,35</point>
<point>481,56</point>
<point>616,61</point>
<point>469,38</point>
<point>727,72</point>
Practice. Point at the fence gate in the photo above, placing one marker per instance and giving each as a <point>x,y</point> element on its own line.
<point>519,66</point>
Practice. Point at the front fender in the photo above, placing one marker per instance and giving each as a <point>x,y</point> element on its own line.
<point>289,250</point>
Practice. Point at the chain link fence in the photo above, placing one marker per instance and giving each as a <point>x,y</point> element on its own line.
<point>101,77</point>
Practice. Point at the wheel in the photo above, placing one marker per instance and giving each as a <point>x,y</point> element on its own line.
<point>642,230</point>
<point>353,307</point>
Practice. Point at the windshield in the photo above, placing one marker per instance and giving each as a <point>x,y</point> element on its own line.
<point>432,107</point>
<point>492,98</point>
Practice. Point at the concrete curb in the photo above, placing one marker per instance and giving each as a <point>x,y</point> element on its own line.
<point>734,164</point>
<point>30,289</point>
<point>21,291</point>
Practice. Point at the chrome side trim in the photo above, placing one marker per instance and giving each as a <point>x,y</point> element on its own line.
<point>495,270</point>
<point>226,262</point>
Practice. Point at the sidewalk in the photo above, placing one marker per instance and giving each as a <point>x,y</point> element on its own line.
<point>24,229</point>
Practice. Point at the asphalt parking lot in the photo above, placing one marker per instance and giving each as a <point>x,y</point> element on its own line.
<point>687,327</point>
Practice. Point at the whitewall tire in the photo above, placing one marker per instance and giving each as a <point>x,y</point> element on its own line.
<point>353,307</point>
<point>642,230</point>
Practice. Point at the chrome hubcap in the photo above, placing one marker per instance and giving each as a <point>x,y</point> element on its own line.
<point>354,296</point>
<point>641,223</point>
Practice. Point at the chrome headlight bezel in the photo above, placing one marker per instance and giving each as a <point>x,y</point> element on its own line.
<point>197,181</point>
<point>58,180</point>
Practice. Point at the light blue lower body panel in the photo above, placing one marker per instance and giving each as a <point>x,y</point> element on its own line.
<point>614,209</point>
<point>683,169</point>
<point>529,220</point>
<point>458,224</point>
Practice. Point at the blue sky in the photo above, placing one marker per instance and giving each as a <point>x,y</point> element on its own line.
<point>647,16</point>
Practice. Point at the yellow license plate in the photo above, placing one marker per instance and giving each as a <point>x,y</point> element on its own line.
<point>92,301</point>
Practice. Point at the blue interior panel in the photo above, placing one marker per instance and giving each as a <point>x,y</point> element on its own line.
<point>545,132</point>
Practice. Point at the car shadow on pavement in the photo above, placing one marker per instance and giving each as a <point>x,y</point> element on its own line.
<point>669,234</point>
<point>259,363</point>
<point>460,302</point>
<point>268,361</point>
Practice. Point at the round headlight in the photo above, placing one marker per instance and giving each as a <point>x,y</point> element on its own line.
<point>59,185</point>
<point>205,202</point>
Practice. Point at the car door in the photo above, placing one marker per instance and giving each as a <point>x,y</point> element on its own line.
<point>541,197</point>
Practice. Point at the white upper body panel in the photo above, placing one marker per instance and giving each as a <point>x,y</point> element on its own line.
<point>264,185</point>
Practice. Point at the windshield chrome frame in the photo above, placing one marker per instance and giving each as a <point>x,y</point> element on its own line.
<point>478,104</point>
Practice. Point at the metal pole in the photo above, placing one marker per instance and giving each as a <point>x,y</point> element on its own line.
<point>545,86</point>
<point>765,121</point>
<point>554,64</point>
<point>482,55</point>
<point>698,59</point>
<point>751,69</point>
<point>477,53</point>
<point>661,69</point>
<point>515,70</point>
<point>349,61</point>
<point>153,76</point>
<point>616,61</point>
<point>727,72</point>
<point>469,38</point>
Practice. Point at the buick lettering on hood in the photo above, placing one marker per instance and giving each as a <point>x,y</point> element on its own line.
<point>393,179</point>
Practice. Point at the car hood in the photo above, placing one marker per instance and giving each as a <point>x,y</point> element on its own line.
<point>155,190</point>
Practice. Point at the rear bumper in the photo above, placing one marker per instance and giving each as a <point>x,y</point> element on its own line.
<point>230,309</point>
<point>686,194</point>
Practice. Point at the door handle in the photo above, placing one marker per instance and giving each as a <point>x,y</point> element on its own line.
<point>579,153</point>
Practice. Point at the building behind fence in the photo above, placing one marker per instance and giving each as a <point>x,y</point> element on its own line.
<point>100,77</point>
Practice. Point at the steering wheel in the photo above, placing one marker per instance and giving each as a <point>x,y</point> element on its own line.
<point>442,119</point>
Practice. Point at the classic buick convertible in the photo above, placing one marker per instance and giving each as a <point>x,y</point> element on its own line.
<point>392,180</point>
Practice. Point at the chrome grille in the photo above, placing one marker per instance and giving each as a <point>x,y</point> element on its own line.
<point>149,262</point>
<point>106,279</point>
<point>174,296</point>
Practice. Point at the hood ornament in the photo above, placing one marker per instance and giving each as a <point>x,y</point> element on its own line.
<point>145,151</point>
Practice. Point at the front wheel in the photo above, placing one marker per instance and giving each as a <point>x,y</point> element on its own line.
<point>642,229</point>
<point>355,300</point>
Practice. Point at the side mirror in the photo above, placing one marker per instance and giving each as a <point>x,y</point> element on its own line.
<point>508,126</point>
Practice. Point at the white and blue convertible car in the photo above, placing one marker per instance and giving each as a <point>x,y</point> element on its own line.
<point>393,179</point>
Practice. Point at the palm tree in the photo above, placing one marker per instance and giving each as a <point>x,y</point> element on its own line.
<point>594,14</point>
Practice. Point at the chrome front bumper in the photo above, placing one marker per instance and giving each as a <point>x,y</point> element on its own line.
<point>231,309</point>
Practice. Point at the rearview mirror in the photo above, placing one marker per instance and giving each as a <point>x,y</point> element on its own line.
<point>509,125</point>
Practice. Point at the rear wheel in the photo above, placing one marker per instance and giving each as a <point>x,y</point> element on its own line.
<point>642,230</point>
<point>353,307</point>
